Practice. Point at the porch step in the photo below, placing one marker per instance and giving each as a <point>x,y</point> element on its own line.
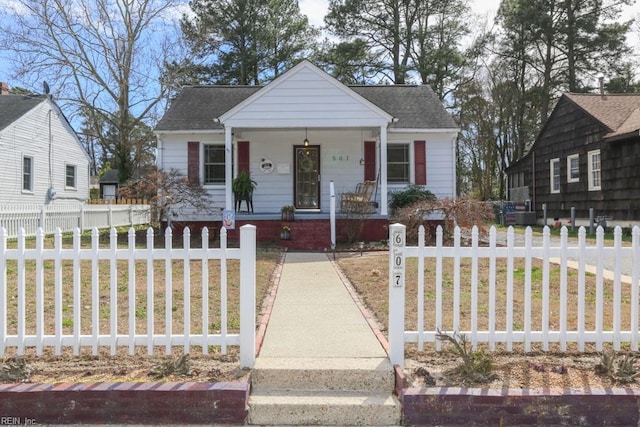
<point>323,391</point>
<point>347,374</point>
<point>328,408</point>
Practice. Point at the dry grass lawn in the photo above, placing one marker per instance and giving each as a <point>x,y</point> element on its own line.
<point>369,276</point>
<point>123,367</point>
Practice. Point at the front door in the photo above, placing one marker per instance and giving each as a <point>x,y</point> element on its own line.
<point>306,190</point>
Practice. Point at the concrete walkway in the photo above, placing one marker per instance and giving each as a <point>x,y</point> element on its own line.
<point>314,315</point>
<point>320,362</point>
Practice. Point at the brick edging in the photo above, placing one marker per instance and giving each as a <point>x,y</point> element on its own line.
<point>124,403</point>
<point>548,406</point>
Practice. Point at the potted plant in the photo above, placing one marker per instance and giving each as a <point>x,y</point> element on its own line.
<point>285,233</point>
<point>288,212</point>
<point>242,187</point>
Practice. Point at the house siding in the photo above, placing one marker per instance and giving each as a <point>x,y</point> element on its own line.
<point>29,136</point>
<point>341,153</point>
<point>571,131</point>
<point>621,179</point>
<point>306,99</point>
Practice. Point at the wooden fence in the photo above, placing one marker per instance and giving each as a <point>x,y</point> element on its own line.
<point>526,295</point>
<point>68,216</point>
<point>53,295</point>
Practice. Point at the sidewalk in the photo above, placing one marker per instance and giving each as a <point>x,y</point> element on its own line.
<point>591,259</point>
<point>314,315</point>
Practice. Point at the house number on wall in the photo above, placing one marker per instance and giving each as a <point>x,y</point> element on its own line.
<point>398,259</point>
<point>340,158</point>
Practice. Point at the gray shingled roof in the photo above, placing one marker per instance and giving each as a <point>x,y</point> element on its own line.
<point>415,107</point>
<point>110,177</point>
<point>12,107</point>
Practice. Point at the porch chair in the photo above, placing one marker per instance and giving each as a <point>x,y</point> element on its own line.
<point>359,201</point>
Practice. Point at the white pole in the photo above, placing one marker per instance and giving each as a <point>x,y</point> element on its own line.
<point>397,238</point>
<point>247,296</point>
<point>332,214</point>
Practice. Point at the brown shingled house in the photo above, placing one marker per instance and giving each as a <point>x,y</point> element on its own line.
<point>586,156</point>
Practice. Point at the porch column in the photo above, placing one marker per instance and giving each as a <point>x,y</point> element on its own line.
<point>383,170</point>
<point>228,167</point>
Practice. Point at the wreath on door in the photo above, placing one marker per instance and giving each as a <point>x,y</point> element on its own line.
<point>306,164</point>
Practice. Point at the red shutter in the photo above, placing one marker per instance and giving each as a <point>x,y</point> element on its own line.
<point>243,156</point>
<point>369,160</point>
<point>193,161</point>
<point>420,161</point>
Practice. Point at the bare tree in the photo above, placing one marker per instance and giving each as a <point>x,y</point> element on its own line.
<point>102,59</point>
<point>168,190</point>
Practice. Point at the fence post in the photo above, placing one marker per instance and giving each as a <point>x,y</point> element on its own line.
<point>397,238</point>
<point>110,216</point>
<point>247,296</point>
<point>43,217</point>
<point>81,219</point>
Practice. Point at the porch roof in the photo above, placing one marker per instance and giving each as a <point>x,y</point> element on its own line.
<point>414,107</point>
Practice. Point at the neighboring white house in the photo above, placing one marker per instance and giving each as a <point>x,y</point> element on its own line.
<point>303,130</point>
<point>42,159</point>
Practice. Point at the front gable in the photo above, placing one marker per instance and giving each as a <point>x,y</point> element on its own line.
<point>305,96</point>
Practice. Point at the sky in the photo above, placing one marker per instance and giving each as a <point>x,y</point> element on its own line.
<point>316,9</point>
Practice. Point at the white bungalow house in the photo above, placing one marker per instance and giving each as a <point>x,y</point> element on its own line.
<point>42,159</point>
<point>300,132</point>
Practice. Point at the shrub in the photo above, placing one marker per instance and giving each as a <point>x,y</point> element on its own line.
<point>460,211</point>
<point>620,368</point>
<point>409,196</point>
<point>476,366</point>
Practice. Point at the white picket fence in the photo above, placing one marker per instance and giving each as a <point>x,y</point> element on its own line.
<point>68,216</point>
<point>485,311</point>
<point>98,276</point>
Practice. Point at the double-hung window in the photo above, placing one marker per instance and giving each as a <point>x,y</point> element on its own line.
<point>70,176</point>
<point>27,174</point>
<point>554,174</point>
<point>398,163</point>
<point>214,166</point>
<point>573,168</point>
<point>595,177</point>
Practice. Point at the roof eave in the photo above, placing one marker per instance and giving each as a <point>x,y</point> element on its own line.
<point>620,137</point>
<point>189,131</point>
<point>424,130</point>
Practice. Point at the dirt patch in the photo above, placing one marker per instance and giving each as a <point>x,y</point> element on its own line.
<point>122,367</point>
<point>513,370</point>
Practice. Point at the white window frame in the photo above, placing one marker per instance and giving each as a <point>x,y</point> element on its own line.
<point>410,165</point>
<point>593,185</point>
<point>75,176</point>
<point>31,172</point>
<point>552,176</point>
<point>570,177</point>
<point>204,165</point>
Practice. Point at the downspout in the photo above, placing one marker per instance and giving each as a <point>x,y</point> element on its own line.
<point>533,168</point>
